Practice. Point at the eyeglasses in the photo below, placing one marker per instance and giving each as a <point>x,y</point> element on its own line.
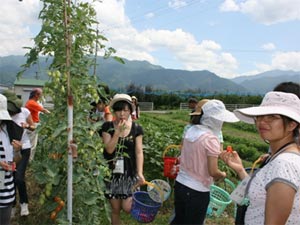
<point>267,118</point>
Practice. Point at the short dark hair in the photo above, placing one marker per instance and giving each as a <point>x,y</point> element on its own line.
<point>34,92</point>
<point>289,87</point>
<point>192,100</point>
<point>120,105</point>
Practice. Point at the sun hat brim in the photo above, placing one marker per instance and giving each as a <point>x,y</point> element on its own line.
<point>247,114</point>
<point>118,100</point>
<point>226,116</point>
<point>120,97</point>
<point>216,109</point>
<point>195,113</point>
<point>4,115</point>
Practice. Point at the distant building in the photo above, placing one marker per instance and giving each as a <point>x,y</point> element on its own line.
<point>23,87</point>
<point>3,87</point>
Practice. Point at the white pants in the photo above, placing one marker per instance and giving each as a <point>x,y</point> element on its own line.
<point>33,136</point>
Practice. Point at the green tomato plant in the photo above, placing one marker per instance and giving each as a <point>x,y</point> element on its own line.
<point>69,38</point>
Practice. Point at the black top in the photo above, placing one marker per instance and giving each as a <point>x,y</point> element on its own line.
<point>125,145</point>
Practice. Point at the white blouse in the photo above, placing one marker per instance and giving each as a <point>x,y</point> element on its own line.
<point>284,168</point>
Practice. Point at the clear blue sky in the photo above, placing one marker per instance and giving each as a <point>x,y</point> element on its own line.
<point>228,37</point>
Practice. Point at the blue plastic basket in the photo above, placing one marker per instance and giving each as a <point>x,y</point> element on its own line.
<point>144,209</point>
<point>219,199</point>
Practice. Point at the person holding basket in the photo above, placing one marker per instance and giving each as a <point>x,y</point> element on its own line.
<point>273,191</point>
<point>199,162</point>
<point>123,140</point>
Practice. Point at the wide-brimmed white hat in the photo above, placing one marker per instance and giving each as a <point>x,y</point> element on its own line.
<point>4,115</point>
<point>216,109</point>
<point>120,97</point>
<point>274,102</point>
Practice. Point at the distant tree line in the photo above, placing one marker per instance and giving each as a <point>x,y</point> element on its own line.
<point>171,100</point>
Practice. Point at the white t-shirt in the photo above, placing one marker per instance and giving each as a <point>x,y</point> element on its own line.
<point>20,118</point>
<point>286,168</point>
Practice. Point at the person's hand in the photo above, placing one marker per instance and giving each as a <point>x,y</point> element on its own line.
<point>121,126</point>
<point>263,157</point>
<point>27,126</point>
<point>221,177</point>
<point>174,170</point>
<point>17,145</point>
<point>232,159</point>
<point>141,179</point>
<point>8,166</point>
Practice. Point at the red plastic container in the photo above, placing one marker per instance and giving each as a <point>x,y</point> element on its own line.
<point>170,161</point>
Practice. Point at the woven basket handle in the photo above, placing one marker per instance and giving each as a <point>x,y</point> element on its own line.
<point>170,147</point>
<point>161,193</point>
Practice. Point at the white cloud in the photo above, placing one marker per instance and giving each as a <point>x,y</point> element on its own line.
<point>111,14</point>
<point>220,63</point>
<point>266,11</point>
<point>229,5</point>
<point>176,4</point>
<point>16,17</point>
<point>268,46</point>
<point>206,55</point>
<point>286,61</point>
<point>149,15</point>
<point>192,55</point>
<point>279,61</point>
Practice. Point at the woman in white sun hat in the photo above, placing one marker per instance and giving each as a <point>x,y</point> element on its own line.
<point>273,190</point>
<point>199,162</point>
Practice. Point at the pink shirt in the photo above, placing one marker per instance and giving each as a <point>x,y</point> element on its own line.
<point>193,159</point>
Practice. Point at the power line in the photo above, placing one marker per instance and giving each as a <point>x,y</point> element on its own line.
<point>159,11</point>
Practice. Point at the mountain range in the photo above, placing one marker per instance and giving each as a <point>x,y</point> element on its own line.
<point>143,73</point>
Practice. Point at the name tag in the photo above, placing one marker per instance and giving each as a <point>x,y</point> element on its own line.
<point>119,165</point>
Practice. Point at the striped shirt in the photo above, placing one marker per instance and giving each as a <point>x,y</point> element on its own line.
<point>7,194</point>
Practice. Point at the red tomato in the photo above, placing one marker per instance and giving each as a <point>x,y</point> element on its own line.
<point>229,148</point>
<point>58,208</point>
<point>57,199</point>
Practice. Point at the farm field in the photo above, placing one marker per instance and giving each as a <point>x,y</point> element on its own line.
<point>161,130</point>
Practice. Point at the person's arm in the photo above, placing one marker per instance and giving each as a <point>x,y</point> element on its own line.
<point>213,170</point>
<point>139,158</point>
<point>279,203</point>
<point>45,111</point>
<point>110,142</point>
<point>138,111</point>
